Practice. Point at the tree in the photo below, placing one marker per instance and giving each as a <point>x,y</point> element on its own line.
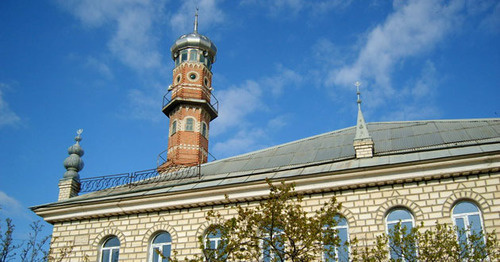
<point>7,246</point>
<point>440,243</point>
<point>277,229</point>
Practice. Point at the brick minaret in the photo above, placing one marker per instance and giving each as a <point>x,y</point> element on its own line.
<point>190,105</point>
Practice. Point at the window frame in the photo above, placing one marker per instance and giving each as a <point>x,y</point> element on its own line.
<point>160,246</point>
<point>174,128</point>
<point>111,249</point>
<point>467,223</point>
<point>395,222</point>
<point>189,122</point>
<point>337,227</point>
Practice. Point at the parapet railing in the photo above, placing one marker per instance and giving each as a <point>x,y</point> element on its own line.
<point>213,100</point>
<point>149,176</point>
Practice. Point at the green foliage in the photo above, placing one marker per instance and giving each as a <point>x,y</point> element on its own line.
<point>277,227</point>
<point>436,244</point>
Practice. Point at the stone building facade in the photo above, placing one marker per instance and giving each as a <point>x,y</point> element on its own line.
<point>424,168</point>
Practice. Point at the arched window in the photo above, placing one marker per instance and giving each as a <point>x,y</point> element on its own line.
<point>341,252</point>
<point>110,250</point>
<point>467,218</point>
<point>399,223</point>
<point>204,129</point>
<point>174,127</point>
<point>214,244</point>
<point>189,124</point>
<point>161,247</point>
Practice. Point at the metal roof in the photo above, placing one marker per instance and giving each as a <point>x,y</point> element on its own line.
<point>395,142</point>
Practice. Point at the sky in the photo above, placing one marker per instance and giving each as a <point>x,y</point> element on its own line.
<point>285,70</point>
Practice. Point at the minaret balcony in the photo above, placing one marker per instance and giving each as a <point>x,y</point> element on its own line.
<point>170,104</point>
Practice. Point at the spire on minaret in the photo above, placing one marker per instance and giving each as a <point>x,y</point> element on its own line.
<point>196,21</point>
<point>363,142</point>
<point>69,185</point>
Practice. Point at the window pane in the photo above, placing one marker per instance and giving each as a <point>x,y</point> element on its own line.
<point>166,252</point>
<point>193,55</point>
<point>202,59</point>
<point>184,56</point>
<point>399,214</point>
<point>155,255</point>
<point>465,207</point>
<point>105,255</point>
<point>189,124</point>
<point>162,238</point>
<point>343,251</point>
<point>112,242</point>
<point>114,257</point>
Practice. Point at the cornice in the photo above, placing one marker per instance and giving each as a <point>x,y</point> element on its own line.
<point>306,182</point>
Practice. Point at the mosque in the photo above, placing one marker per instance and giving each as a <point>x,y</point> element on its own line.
<point>443,171</point>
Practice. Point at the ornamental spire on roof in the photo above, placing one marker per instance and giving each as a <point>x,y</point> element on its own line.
<point>363,143</point>
<point>196,21</point>
<point>361,130</point>
<point>73,163</point>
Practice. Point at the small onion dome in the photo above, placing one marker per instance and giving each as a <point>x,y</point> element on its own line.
<point>194,40</point>
<point>73,163</point>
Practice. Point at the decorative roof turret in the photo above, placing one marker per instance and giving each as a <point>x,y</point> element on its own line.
<point>73,163</point>
<point>363,142</point>
<point>194,40</point>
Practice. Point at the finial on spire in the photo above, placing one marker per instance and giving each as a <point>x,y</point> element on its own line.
<point>363,142</point>
<point>357,84</point>
<point>73,163</point>
<point>196,21</point>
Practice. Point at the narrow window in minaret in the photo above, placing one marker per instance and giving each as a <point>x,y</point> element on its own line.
<point>202,58</point>
<point>204,129</point>
<point>193,55</point>
<point>184,56</point>
<point>174,127</point>
<point>189,124</point>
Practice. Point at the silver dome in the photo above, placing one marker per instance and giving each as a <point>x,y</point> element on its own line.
<point>194,40</point>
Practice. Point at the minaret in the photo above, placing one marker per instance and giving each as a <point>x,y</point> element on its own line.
<point>190,106</point>
<point>69,185</point>
<point>363,142</point>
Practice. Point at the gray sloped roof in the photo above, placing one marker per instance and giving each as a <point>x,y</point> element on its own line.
<point>429,139</point>
<point>388,137</point>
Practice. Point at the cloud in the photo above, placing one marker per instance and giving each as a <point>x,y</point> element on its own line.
<point>10,207</point>
<point>292,8</point>
<point>284,77</point>
<point>132,41</point>
<point>145,104</point>
<point>236,103</point>
<point>416,99</point>
<point>209,15</point>
<point>414,28</point>
<point>7,116</point>
<point>99,66</point>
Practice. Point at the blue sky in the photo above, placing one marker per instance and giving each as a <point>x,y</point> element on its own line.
<point>284,71</point>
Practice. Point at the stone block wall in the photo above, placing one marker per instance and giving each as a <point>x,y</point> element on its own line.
<point>365,209</point>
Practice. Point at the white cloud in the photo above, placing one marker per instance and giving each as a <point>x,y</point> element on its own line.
<point>245,140</point>
<point>145,104</point>
<point>235,104</point>
<point>292,8</point>
<point>132,41</point>
<point>284,78</point>
<point>7,116</point>
<point>10,207</point>
<point>99,66</point>
<point>414,28</point>
<point>209,15</point>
